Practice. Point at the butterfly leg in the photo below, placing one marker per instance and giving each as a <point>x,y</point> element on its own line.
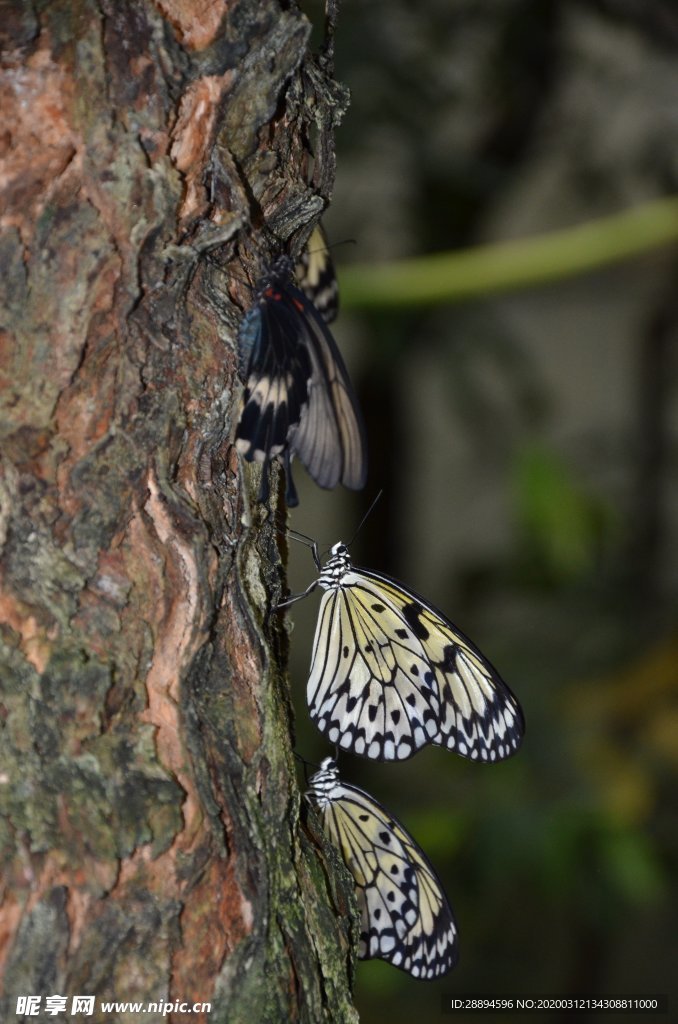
<point>293,598</point>
<point>312,544</point>
<point>264,487</point>
<point>291,497</point>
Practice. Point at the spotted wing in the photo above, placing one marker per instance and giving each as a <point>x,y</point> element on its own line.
<point>405,916</point>
<point>389,673</point>
<point>480,717</point>
<point>371,689</point>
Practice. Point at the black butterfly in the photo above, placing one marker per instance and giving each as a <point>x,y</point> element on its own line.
<point>298,396</point>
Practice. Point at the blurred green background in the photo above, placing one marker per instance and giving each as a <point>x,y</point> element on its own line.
<point>526,445</point>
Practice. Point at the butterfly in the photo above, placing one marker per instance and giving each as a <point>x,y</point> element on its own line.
<point>298,398</point>
<point>405,916</point>
<point>390,673</point>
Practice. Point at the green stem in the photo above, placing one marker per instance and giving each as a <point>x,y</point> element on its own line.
<point>507,266</point>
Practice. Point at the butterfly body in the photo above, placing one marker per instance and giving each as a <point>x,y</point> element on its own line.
<point>390,674</point>
<point>280,270</point>
<point>298,397</point>
<point>405,916</point>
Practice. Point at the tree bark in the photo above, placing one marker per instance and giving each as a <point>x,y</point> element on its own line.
<point>149,829</point>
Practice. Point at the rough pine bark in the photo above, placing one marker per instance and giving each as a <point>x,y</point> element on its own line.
<point>150,838</point>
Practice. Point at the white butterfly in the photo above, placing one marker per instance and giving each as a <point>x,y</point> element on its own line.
<point>405,916</point>
<point>389,673</point>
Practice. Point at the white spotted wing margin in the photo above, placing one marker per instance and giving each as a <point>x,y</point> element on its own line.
<point>405,916</point>
<point>390,674</point>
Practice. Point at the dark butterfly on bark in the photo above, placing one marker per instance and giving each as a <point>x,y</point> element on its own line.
<point>298,398</point>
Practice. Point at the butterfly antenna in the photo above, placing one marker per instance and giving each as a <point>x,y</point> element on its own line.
<point>327,246</point>
<point>306,764</point>
<point>344,241</point>
<point>362,521</point>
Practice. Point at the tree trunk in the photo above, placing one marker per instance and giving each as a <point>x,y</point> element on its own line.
<point>150,832</point>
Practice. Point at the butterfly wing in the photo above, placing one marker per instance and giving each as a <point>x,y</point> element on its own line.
<point>390,673</point>
<point>315,275</point>
<point>370,690</point>
<point>278,377</point>
<point>330,437</point>
<point>480,717</point>
<point>405,916</point>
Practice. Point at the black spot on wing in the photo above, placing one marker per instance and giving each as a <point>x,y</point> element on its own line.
<point>412,614</point>
<point>449,662</point>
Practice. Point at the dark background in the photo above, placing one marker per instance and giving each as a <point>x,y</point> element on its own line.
<point>526,445</point>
